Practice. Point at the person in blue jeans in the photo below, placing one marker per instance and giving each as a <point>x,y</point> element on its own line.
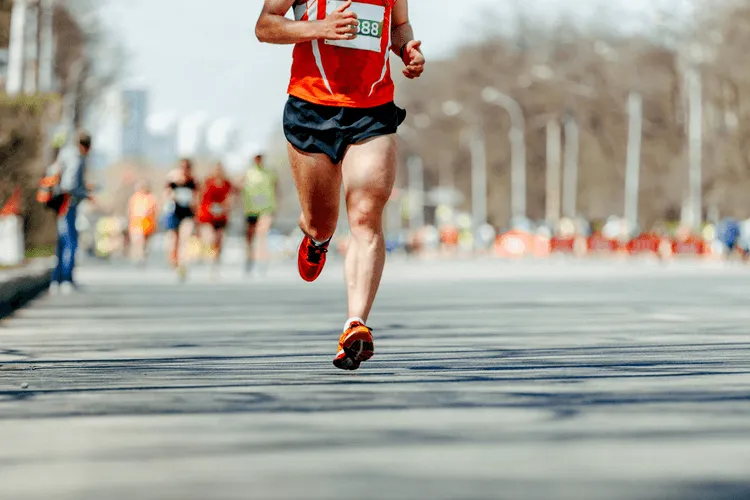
<point>73,186</point>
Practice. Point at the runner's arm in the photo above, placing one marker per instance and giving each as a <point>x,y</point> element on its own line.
<point>168,192</point>
<point>274,27</point>
<point>401,31</point>
<point>404,44</point>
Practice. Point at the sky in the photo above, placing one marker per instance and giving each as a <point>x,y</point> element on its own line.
<point>201,58</point>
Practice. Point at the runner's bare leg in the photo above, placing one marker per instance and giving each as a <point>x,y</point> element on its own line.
<point>264,227</point>
<point>318,183</point>
<point>369,172</point>
<point>184,233</point>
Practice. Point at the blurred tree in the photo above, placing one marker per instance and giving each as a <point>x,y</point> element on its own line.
<point>588,71</point>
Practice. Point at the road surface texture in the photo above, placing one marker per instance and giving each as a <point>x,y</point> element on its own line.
<point>492,380</point>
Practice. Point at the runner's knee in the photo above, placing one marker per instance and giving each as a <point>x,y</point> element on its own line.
<point>366,214</point>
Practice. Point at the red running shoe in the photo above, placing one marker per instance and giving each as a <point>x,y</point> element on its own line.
<point>311,258</point>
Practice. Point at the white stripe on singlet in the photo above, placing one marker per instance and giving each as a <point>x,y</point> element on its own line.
<point>313,6</point>
<point>385,61</point>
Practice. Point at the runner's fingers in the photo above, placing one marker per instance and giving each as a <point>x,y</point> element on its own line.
<point>415,68</point>
<point>416,57</point>
<point>348,24</point>
<point>412,72</point>
<point>347,31</point>
<point>345,6</point>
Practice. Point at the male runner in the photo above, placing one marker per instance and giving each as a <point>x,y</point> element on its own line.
<point>340,121</point>
<point>214,210</point>
<point>141,221</point>
<point>181,195</point>
<point>259,200</point>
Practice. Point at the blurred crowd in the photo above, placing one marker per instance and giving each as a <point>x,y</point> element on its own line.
<point>107,237</point>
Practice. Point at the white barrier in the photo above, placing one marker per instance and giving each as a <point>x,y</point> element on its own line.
<point>11,241</point>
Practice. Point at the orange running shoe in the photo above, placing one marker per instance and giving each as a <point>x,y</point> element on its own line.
<point>311,258</point>
<point>355,346</point>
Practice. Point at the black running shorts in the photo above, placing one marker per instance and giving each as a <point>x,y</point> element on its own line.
<point>329,130</point>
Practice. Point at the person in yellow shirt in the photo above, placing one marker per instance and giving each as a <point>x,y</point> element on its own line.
<point>259,200</point>
<point>141,221</point>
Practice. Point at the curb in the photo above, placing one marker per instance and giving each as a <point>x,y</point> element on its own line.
<point>22,286</point>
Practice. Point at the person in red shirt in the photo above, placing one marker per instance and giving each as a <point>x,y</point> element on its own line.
<point>340,121</point>
<point>213,210</point>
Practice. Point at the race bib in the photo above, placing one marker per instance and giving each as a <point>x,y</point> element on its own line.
<point>183,196</point>
<point>371,22</point>
<point>216,209</point>
<point>260,200</point>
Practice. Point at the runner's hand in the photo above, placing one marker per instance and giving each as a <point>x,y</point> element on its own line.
<point>413,59</point>
<point>342,24</point>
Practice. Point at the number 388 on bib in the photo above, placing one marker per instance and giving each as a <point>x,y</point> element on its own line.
<point>370,31</point>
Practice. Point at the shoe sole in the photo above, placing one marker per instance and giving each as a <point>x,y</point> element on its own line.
<point>357,351</point>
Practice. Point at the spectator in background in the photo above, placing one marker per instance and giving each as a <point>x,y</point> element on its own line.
<point>74,189</point>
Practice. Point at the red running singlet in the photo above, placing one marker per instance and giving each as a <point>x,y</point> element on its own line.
<point>350,73</point>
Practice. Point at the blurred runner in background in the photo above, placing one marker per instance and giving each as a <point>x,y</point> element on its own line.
<point>259,200</point>
<point>141,221</point>
<point>213,212</point>
<point>181,196</point>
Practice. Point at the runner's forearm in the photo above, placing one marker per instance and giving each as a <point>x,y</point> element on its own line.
<point>272,28</point>
<point>401,35</point>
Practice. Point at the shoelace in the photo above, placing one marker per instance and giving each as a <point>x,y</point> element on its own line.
<point>314,253</point>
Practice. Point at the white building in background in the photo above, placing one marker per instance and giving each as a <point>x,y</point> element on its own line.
<point>107,121</point>
<point>119,128</point>
<point>161,147</point>
<point>223,137</point>
<point>192,136</point>
<point>134,134</point>
<point>125,131</point>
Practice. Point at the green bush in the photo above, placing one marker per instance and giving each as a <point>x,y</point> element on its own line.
<point>25,123</point>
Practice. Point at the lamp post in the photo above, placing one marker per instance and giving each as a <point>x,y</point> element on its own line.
<point>517,138</point>
<point>553,172</point>
<point>570,168</point>
<point>633,168</point>
<point>415,179</point>
<point>477,147</point>
<point>696,148</point>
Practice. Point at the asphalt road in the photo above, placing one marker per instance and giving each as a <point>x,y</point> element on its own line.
<point>491,380</point>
